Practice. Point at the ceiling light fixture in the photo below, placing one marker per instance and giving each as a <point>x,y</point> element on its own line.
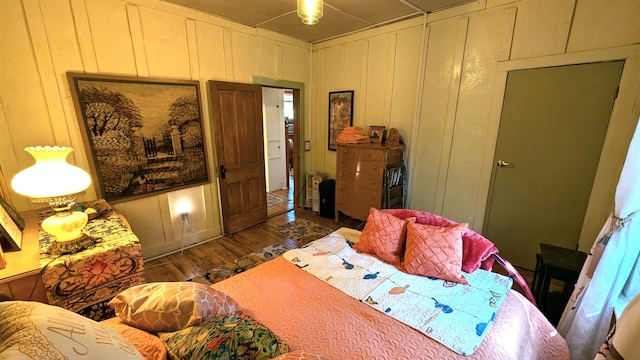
<point>310,11</point>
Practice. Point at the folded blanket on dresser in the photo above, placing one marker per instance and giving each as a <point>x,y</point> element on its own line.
<point>456,315</point>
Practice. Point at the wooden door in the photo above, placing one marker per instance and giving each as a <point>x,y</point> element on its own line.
<point>238,133</point>
<point>554,121</point>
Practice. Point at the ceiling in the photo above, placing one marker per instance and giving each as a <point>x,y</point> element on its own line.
<point>341,17</point>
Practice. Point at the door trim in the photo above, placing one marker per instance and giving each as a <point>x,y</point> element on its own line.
<point>622,123</point>
<point>298,129</point>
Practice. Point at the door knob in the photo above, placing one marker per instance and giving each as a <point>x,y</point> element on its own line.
<point>502,163</point>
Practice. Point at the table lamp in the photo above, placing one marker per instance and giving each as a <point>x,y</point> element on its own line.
<point>52,179</point>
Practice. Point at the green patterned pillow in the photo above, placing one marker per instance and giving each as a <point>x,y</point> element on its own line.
<point>224,337</point>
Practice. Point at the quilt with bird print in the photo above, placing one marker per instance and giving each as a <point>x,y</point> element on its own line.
<point>456,315</point>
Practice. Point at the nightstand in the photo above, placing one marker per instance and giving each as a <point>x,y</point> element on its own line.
<point>558,263</point>
<point>20,280</point>
<point>84,281</point>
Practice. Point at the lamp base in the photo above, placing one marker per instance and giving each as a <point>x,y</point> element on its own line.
<point>58,248</point>
<point>65,225</point>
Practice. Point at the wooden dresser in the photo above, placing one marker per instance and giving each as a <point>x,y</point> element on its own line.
<point>368,175</point>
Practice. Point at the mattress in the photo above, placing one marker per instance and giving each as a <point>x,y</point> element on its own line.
<point>311,315</point>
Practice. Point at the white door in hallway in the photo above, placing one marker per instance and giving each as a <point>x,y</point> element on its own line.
<point>275,147</point>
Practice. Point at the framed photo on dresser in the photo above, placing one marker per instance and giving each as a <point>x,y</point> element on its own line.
<point>376,134</point>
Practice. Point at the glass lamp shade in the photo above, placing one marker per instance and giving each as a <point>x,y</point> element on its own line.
<point>51,176</point>
<point>51,179</point>
<point>310,11</point>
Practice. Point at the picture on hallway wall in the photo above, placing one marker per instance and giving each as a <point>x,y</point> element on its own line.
<point>144,136</point>
<point>340,114</point>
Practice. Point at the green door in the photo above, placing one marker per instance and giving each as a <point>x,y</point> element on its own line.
<point>554,121</point>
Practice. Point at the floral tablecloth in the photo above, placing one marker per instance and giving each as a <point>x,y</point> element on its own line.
<point>84,281</point>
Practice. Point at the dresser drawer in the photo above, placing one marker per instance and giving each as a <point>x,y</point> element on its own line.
<point>348,152</point>
<point>355,209</point>
<point>367,180</point>
<point>371,155</point>
<point>370,167</point>
<point>361,180</point>
<point>360,194</point>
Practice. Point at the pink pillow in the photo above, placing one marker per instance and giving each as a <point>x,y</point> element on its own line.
<point>435,251</point>
<point>476,249</point>
<point>383,236</point>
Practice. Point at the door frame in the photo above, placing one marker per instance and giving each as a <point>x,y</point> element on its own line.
<point>298,129</point>
<point>622,123</point>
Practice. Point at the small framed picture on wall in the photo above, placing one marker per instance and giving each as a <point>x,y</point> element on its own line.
<point>376,134</point>
<point>340,115</point>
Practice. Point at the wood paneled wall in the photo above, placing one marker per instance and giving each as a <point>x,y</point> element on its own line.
<point>440,80</point>
<point>40,40</point>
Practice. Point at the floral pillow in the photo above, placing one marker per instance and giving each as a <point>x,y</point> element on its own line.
<point>435,251</point>
<point>32,330</point>
<point>170,306</point>
<point>383,236</point>
<point>224,337</point>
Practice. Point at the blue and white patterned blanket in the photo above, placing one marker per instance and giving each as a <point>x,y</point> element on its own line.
<point>458,316</point>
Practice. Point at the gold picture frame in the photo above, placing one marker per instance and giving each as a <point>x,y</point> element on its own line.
<point>340,115</point>
<point>143,136</point>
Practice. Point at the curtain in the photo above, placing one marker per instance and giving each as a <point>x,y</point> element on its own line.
<point>611,272</point>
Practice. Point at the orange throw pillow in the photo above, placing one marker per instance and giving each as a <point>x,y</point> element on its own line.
<point>383,236</point>
<point>170,306</point>
<point>435,251</point>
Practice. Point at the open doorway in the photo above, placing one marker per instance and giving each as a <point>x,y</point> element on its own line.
<point>280,145</point>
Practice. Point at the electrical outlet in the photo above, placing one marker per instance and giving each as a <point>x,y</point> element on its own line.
<point>307,145</point>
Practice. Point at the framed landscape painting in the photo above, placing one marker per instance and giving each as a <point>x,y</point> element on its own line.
<point>340,114</point>
<point>144,136</point>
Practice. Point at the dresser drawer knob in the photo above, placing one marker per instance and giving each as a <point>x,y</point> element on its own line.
<point>373,182</point>
<point>369,154</point>
<point>375,167</point>
<point>372,197</point>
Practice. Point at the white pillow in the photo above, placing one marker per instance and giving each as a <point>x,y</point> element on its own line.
<point>31,330</point>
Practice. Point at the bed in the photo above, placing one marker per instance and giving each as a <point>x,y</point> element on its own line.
<point>311,315</point>
<point>330,299</point>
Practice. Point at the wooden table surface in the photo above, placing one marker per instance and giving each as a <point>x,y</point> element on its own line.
<point>25,262</point>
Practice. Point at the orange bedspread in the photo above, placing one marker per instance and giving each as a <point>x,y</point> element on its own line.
<point>311,315</point>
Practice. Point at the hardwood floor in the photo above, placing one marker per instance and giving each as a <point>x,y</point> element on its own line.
<point>197,260</point>
<point>283,206</point>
